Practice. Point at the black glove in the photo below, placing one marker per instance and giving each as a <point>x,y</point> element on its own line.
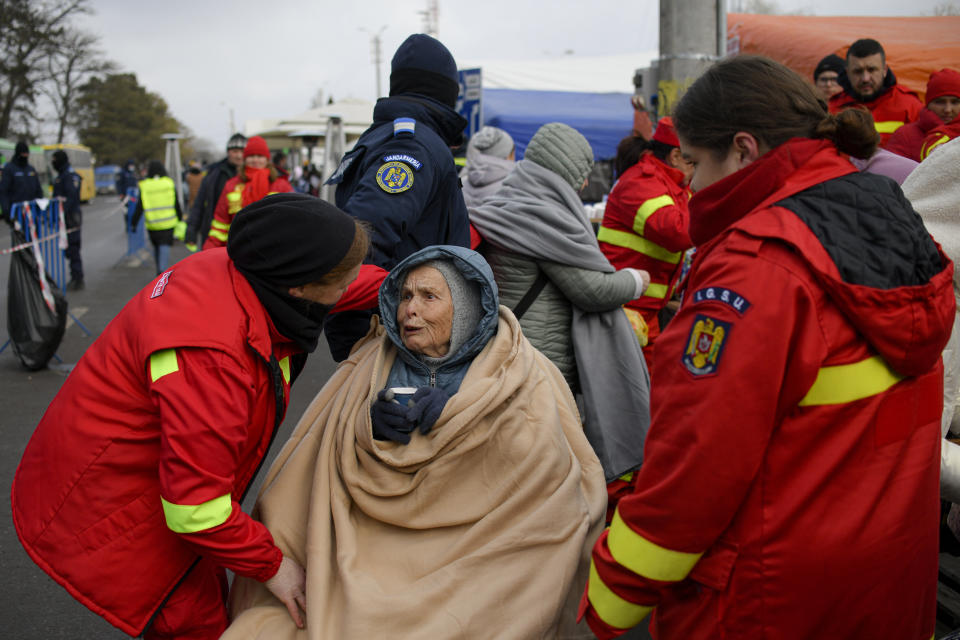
<point>389,419</point>
<point>426,406</point>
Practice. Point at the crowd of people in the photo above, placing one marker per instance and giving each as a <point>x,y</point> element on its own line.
<point>723,405</point>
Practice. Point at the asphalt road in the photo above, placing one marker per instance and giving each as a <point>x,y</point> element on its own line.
<point>33,606</point>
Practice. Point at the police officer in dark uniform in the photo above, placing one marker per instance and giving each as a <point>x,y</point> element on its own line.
<point>19,181</point>
<point>66,187</point>
<point>400,176</point>
<point>127,178</point>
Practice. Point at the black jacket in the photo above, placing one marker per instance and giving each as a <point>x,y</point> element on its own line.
<point>201,213</point>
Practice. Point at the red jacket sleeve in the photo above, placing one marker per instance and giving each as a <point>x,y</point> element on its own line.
<point>204,410</point>
<point>221,216</point>
<point>724,378</point>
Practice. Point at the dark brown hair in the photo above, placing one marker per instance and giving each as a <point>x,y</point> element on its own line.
<point>769,101</point>
<point>354,256</point>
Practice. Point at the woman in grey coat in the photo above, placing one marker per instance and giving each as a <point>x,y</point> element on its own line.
<point>490,158</point>
<point>542,247</point>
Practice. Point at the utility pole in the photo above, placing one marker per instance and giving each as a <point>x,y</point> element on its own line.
<point>692,37</point>
<point>431,18</point>
<point>376,55</point>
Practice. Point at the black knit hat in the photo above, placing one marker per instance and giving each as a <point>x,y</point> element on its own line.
<point>832,62</point>
<point>424,66</point>
<point>21,148</point>
<point>289,239</point>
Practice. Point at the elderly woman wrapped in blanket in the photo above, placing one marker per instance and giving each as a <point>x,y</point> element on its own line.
<point>468,512</point>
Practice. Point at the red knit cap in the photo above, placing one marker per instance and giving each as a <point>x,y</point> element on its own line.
<point>665,132</point>
<point>256,146</point>
<point>945,82</point>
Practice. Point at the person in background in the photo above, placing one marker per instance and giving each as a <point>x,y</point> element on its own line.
<point>280,163</point>
<point>194,178</point>
<point>431,510</point>
<point>490,157</point>
<point>645,224</point>
<point>796,390</point>
<point>127,178</point>
<point>129,492</point>
<point>869,83</point>
<point>19,181</point>
<point>201,214</point>
<point>257,179</point>
<point>66,187</point>
<point>943,105</point>
<point>826,76</point>
<point>566,294</point>
<point>160,209</point>
<point>947,108</point>
<point>400,176</point>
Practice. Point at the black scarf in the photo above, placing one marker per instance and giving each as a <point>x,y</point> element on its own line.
<point>298,319</point>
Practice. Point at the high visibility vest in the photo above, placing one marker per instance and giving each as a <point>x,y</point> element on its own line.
<point>158,196</point>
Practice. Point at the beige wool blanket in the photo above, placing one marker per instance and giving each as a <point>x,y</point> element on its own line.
<point>480,529</point>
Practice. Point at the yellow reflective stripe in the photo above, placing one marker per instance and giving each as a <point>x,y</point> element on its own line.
<point>848,382</point>
<point>632,241</point>
<point>656,291</point>
<point>889,126</point>
<point>285,369</point>
<point>223,226</point>
<point>610,607</point>
<point>162,363</point>
<point>645,558</point>
<point>190,518</point>
<point>649,208</point>
<point>627,477</point>
<point>926,150</point>
<point>219,235</point>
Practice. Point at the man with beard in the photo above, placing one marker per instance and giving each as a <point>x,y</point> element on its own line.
<point>201,213</point>
<point>871,85</point>
<point>400,176</point>
<point>19,181</point>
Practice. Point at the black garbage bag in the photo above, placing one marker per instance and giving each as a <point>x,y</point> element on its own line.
<point>35,330</point>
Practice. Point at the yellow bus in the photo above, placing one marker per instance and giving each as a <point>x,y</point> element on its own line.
<point>81,159</point>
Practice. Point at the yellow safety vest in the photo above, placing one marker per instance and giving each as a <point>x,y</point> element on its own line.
<point>158,196</point>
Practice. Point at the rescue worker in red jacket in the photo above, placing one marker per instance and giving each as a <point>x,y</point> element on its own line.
<point>257,178</point>
<point>943,106</point>
<point>790,483</point>
<point>129,491</point>
<point>870,84</point>
<point>645,223</point>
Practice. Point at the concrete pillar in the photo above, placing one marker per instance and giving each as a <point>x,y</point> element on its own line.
<point>692,37</point>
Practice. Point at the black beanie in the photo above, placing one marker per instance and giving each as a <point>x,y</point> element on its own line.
<point>21,148</point>
<point>289,239</point>
<point>424,66</point>
<point>832,62</point>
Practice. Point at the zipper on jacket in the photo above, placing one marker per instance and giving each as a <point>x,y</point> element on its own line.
<point>274,367</point>
<point>433,377</point>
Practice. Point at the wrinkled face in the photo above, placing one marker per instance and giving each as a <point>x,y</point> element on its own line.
<point>946,107</point>
<point>827,84</point>
<point>707,167</point>
<point>425,312</point>
<point>325,294</point>
<point>866,74</point>
<point>256,162</point>
<point>235,157</point>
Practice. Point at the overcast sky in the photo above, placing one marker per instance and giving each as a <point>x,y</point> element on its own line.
<point>267,59</point>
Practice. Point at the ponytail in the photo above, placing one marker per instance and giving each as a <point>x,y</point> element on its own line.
<point>852,131</point>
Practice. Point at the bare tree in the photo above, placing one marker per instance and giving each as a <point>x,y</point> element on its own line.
<point>70,63</point>
<point>27,31</point>
<point>946,9</point>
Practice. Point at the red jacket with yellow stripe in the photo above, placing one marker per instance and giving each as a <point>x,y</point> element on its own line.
<point>891,110</point>
<point>790,485</point>
<point>941,135</point>
<point>645,227</point>
<point>229,203</point>
<point>140,462</point>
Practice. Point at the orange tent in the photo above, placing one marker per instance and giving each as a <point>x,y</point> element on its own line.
<point>915,47</point>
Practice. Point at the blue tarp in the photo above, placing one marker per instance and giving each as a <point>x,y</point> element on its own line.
<point>603,118</point>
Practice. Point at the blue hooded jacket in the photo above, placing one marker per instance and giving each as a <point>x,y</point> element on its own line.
<point>409,370</point>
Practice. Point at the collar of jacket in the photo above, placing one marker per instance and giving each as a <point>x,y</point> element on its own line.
<point>790,168</point>
<point>448,124</point>
<point>652,164</point>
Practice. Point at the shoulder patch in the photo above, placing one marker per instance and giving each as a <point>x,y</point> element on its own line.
<point>394,177</point>
<point>404,127</point>
<point>705,344</point>
<point>723,295</point>
<point>402,157</point>
<point>161,284</point>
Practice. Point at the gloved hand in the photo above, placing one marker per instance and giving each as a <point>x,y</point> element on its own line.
<point>180,231</point>
<point>191,247</point>
<point>426,406</point>
<point>389,419</point>
<point>289,585</point>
